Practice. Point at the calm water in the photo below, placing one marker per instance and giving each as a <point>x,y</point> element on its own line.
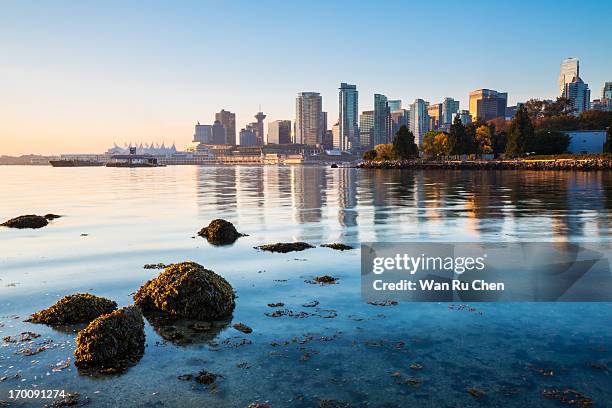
<point>137,216</point>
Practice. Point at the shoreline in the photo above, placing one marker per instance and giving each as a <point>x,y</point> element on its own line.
<point>535,164</point>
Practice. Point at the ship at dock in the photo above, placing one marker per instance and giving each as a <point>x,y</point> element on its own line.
<point>76,163</point>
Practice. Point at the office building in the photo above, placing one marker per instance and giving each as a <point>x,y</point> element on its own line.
<point>219,133</point>
<point>279,132</point>
<point>487,104</point>
<point>606,91</point>
<point>395,104</point>
<point>228,119</point>
<point>434,111</point>
<point>579,95</point>
<point>399,118</point>
<point>308,128</point>
<point>248,135</point>
<point>382,120</point>
<point>449,108</point>
<point>464,116</point>
<point>419,120</point>
<point>348,99</point>
<point>203,133</point>
<point>570,68</point>
<point>366,129</point>
<point>337,141</point>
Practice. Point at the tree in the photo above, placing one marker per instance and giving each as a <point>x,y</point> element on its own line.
<point>608,144</point>
<point>521,130</point>
<point>483,140</point>
<point>385,152</point>
<point>456,137</point>
<point>403,144</point>
<point>370,155</point>
<point>435,144</point>
<point>499,143</point>
<point>548,142</point>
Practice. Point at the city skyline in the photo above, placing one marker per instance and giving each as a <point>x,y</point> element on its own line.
<point>71,85</point>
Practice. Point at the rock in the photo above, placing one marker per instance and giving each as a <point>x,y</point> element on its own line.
<point>243,328</point>
<point>112,342</point>
<point>73,309</point>
<point>50,217</point>
<point>284,247</point>
<point>279,304</point>
<point>26,221</point>
<point>334,166</point>
<point>569,396</point>
<point>337,246</point>
<point>71,399</point>
<point>475,392</point>
<point>259,405</point>
<point>220,232</point>
<point>187,290</point>
<point>325,279</point>
<point>206,377</point>
<point>155,266</point>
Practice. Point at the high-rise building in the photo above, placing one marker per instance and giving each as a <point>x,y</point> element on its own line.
<point>366,129</point>
<point>449,107</point>
<point>324,122</point>
<point>399,118</point>
<point>382,120</point>
<point>419,120</point>
<point>203,133</point>
<point>337,141</point>
<point>248,135</point>
<point>395,104</point>
<point>579,95</point>
<point>219,133</point>
<point>228,119</point>
<point>464,116</point>
<point>259,128</point>
<point>434,111</point>
<point>308,119</point>
<point>348,122</point>
<point>279,132</point>
<point>570,68</point>
<point>487,104</point>
<point>606,91</point>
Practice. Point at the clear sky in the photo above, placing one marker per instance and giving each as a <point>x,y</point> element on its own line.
<point>77,75</point>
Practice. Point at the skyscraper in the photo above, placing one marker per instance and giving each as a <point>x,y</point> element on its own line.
<point>348,99</point>
<point>203,133</point>
<point>606,91</point>
<point>487,104</point>
<point>449,107</point>
<point>248,135</point>
<point>399,118</point>
<point>419,120</point>
<point>308,118</point>
<point>259,128</point>
<point>228,119</point>
<point>579,95</point>
<point>366,129</point>
<point>382,120</point>
<point>219,133</point>
<point>395,104</point>
<point>570,68</point>
<point>434,111</point>
<point>279,132</point>
<point>337,141</point>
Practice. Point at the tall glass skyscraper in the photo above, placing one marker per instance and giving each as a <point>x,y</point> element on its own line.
<point>308,119</point>
<point>419,120</point>
<point>366,129</point>
<point>570,68</point>
<point>395,104</point>
<point>579,95</point>
<point>382,120</point>
<point>348,98</point>
<point>449,107</point>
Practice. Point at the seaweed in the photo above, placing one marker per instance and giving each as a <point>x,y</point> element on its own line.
<point>26,221</point>
<point>73,309</point>
<point>284,247</point>
<point>220,232</point>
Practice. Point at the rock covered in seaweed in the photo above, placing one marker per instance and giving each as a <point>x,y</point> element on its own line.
<point>26,221</point>
<point>337,246</point>
<point>284,247</point>
<point>220,232</point>
<point>187,290</point>
<point>112,342</point>
<point>73,309</point>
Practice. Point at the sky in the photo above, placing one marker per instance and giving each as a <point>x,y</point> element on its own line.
<point>76,76</point>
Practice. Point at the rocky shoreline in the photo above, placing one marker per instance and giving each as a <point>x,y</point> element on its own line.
<point>551,164</point>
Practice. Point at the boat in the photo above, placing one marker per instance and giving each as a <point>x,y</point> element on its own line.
<point>75,163</point>
<point>133,160</point>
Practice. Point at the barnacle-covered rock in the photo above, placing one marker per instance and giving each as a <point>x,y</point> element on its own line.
<point>187,290</point>
<point>26,221</point>
<point>220,232</point>
<point>73,309</point>
<point>284,247</point>
<point>112,342</point>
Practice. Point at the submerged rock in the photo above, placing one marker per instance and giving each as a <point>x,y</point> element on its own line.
<point>73,309</point>
<point>26,221</point>
<point>259,405</point>
<point>284,247</point>
<point>220,232</point>
<point>323,279</point>
<point>337,246</point>
<point>242,328</point>
<point>206,377</point>
<point>187,290</point>
<point>50,217</point>
<point>112,342</point>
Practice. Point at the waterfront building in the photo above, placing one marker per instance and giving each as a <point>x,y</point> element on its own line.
<point>434,111</point>
<point>219,133</point>
<point>382,120</point>
<point>248,136</point>
<point>579,95</point>
<point>279,132</point>
<point>337,138</point>
<point>308,127</point>
<point>399,118</point>
<point>348,99</point>
<point>570,68</point>
<point>487,104</point>
<point>366,129</point>
<point>419,120</point>
<point>203,133</point>
<point>395,104</point>
<point>228,119</point>
<point>449,107</point>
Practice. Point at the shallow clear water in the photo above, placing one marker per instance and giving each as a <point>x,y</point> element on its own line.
<point>137,216</point>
